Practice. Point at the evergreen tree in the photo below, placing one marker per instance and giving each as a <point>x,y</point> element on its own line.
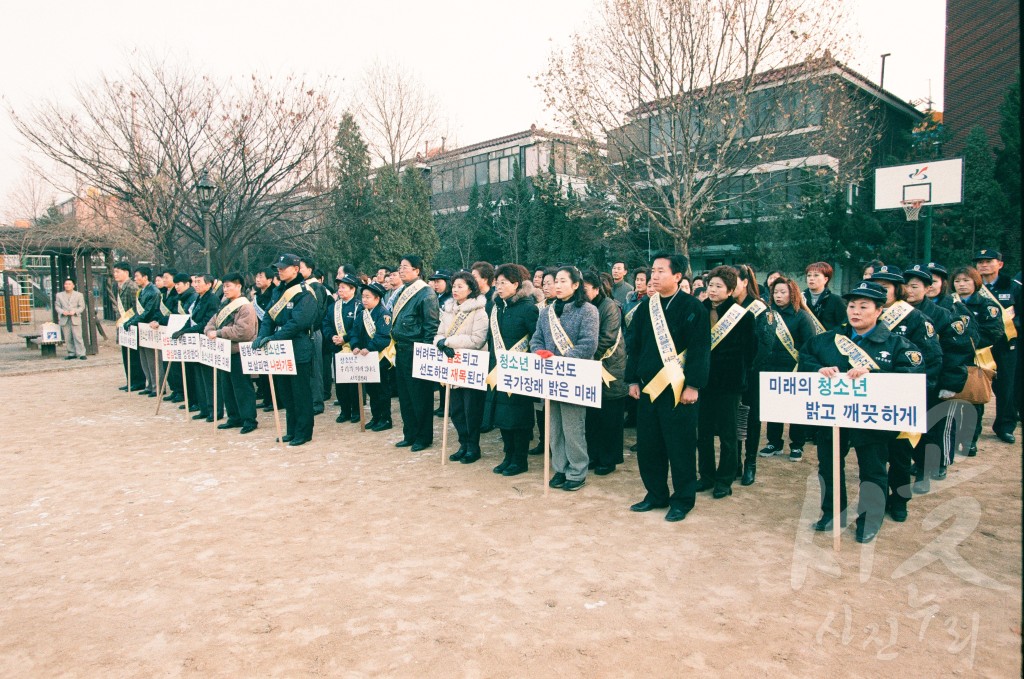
<point>346,233</point>
<point>1008,173</point>
<point>417,220</point>
<point>512,222</point>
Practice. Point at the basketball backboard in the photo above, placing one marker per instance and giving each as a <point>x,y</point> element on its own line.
<point>936,182</point>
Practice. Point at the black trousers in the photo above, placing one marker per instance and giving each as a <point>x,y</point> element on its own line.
<point>1003,387</point>
<point>901,453</point>
<point>348,397</point>
<point>174,378</point>
<point>871,458</point>
<point>797,434</point>
<point>604,430</point>
<point>195,386</point>
<point>239,396</point>
<point>516,443</point>
<point>293,394</point>
<point>138,377</point>
<point>752,399</point>
<point>204,375</point>
<point>667,440</point>
<point>467,412</point>
<point>263,388</point>
<point>379,394</point>
<point>415,401</point>
<point>327,367</point>
<point>717,418</point>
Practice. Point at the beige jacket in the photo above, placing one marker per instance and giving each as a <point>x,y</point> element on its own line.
<point>241,325</point>
<point>72,301</point>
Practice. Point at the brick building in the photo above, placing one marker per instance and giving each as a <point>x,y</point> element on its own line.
<point>982,61</point>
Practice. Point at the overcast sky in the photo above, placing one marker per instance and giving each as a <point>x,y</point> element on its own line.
<point>477,58</point>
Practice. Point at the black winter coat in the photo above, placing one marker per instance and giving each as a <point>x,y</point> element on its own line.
<point>295,322</point>
<point>772,355</point>
<point>517,318</point>
<point>732,358</point>
<point>955,338</point>
<point>830,309</point>
<point>989,318</point>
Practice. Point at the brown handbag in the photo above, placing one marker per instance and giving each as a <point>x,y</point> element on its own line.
<point>978,389</point>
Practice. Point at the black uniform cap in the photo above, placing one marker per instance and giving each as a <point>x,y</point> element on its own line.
<point>888,273</point>
<point>918,271</point>
<point>867,290</point>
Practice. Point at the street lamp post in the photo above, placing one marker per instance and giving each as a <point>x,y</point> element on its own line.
<point>205,189</point>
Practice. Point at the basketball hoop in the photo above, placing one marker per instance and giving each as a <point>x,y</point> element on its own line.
<point>912,208</point>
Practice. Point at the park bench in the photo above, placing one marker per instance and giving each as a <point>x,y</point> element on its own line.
<point>29,337</point>
<point>45,348</point>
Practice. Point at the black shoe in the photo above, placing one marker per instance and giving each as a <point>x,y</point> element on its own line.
<point>417,447</point>
<point>200,416</point>
<point>470,457</point>
<point>749,475</point>
<point>973,450</point>
<point>604,469</point>
<point>632,448</point>
<point>139,387</point>
<point>318,409</point>
<point>644,506</point>
<point>824,524</point>
<point>209,418</point>
<point>721,491</point>
<point>152,394</point>
<point>1006,437</point>
<point>269,408</point>
<point>557,481</point>
<point>538,450</point>
<point>505,464</point>
<point>439,412</point>
<point>230,425</point>
<point>70,358</point>
<point>81,358</point>
<point>194,408</point>
<point>144,392</point>
<point>514,469</point>
<point>703,485</point>
<point>573,485</point>
<point>458,454</point>
<point>915,469</point>
<point>383,426</point>
<point>124,388</point>
<point>372,423</point>
<point>354,418</point>
<point>898,513</point>
<point>866,533</point>
<point>939,475</point>
<point>403,444</point>
<point>178,398</point>
<point>247,429</point>
<point>284,439</point>
<point>342,417</point>
<point>298,442</point>
<point>676,514</point>
<point>170,397</point>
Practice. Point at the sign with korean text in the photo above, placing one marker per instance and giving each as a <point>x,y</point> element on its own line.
<point>215,353</point>
<point>569,380</point>
<point>275,358</point>
<point>352,368</point>
<point>128,337</point>
<point>176,322</point>
<point>468,368</point>
<point>149,338</point>
<point>886,401</point>
<point>185,348</point>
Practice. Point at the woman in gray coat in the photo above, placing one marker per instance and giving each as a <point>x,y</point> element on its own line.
<point>605,424</point>
<point>580,321</point>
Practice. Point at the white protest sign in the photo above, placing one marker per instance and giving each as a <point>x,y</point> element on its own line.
<point>176,322</point>
<point>49,333</point>
<point>215,353</point>
<point>149,338</point>
<point>186,348</point>
<point>276,358</point>
<point>128,337</point>
<point>468,368</point>
<point>886,401</point>
<point>569,380</point>
<point>352,368</point>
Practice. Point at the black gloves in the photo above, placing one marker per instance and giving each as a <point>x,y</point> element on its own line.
<point>260,342</point>
<point>443,347</point>
<point>177,334</point>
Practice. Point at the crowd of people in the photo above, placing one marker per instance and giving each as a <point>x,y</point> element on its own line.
<point>681,358</point>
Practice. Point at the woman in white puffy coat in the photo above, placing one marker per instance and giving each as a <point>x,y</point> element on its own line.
<point>464,326</point>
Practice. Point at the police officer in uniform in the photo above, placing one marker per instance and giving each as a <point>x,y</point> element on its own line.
<point>1007,292</point>
<point>337,330</point>
<point>862,345</point>
<point>323,298</point>
<point>415,318</point>
<point>292,316</point>
<point>371,331</point>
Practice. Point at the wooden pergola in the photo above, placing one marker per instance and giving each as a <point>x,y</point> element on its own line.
<point>68,252</point>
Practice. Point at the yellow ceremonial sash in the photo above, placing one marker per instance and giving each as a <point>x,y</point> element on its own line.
<point>671,373</point>
<point>285,298</point>
<point>457,322</point>
<point>983,358</point>
<point>860,359</point>
<point>164,309</point>
<point>339,322</point>
<point>757,307</point>
<point>818,327</point>
<point>371,331</point>
<point>605,375</point>
<point>1008,313</point>
<point>629,315</point>
<point>895,314</point>
<point>123,315</point>
<point>223,314</point>
<point>785,338</point>
<point>499,345</point>
<point>726,323</point>
<point>406,295</point>
<point>558,333</point>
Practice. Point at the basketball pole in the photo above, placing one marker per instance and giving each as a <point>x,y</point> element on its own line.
<point>928,234</point>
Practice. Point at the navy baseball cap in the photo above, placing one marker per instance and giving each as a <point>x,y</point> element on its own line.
<point>286,260</point>
<point>867,290</point>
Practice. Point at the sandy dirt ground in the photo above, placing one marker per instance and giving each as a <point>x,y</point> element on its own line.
<point>136,545</point>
